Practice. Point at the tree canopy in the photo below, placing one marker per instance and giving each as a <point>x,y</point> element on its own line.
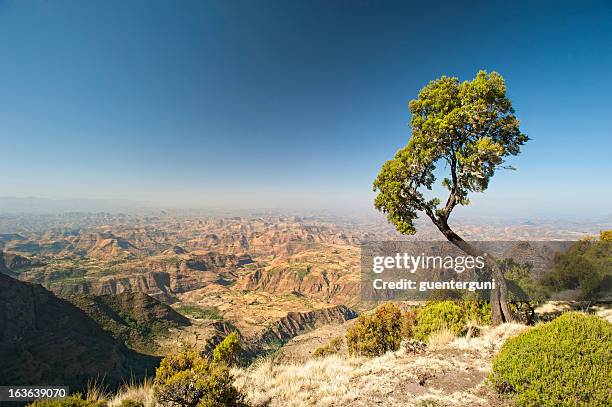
<point>468,127</point>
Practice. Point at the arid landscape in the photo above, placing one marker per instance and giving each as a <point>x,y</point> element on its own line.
<point>145,285</point>
<point>254,273</point>
<point>318,203</point>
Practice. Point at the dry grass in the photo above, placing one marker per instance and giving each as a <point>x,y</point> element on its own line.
<point>440,338</point>
<point>490,338</point>
<point>451,372</point>
<point>96,391</point>
<point>142,392</point>
<point>318,382</point>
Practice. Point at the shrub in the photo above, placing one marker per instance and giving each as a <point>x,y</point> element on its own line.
<point>373,335</point>
<point>76,400</point>
<point>605,235</point>
<point>478,312</point>
<point>566,362</point>
<point>227,350</point>
<point>449,315</point>
<point>436,316</point>
<point>409,321</point>
<point>331,348</point>
<point>189,380</point>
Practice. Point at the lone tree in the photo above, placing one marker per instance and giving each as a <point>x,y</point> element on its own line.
<point>468,129</point>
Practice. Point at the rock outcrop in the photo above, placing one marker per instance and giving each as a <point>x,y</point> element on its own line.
<point>297,323</point>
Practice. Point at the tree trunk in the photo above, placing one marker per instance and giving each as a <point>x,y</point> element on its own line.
<point>500,310</point>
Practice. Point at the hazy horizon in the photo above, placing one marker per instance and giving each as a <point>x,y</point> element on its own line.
<point>40,205</point>
<point>292,105</point>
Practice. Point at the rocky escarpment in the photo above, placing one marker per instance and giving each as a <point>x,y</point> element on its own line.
<point>152,283</point>
<point>160,276</point>
<point>205,262</point>
<point>329,286</point>
<point>296,323</point>
<point>157,284</point>
<point>47,340</point>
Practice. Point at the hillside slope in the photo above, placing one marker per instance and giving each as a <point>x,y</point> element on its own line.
<point>134,318</point>
<point>47,340</point>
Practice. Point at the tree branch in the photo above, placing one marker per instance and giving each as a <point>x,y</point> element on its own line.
<point>453,197</point>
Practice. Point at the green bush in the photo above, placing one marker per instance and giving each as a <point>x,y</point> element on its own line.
<point>76,400</point>
<point>566,362</point>
<point>227,350</point>
<point>585,266</point>
<point>331,348</point>
<point>476,311</point>
<point>436,316</point>
<point>373,335</point>
<point>189,380</point>
<point>439,315</point>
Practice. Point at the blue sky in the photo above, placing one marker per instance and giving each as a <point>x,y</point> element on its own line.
<point>291,104</point>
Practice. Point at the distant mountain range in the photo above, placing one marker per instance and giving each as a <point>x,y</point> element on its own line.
<point>45,205</point>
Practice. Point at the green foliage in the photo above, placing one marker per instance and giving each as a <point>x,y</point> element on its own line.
<point>478,312</point>
<point>76,400</point>
<point>586,265</point>
<point>331,348</point>
<point>522,286</point>
<point>468,127</point>
<point>199,312</point>
<point>373,335</point>
<point>227,351</point>
<point>304,272</point>
<point>566,362</point>
<point>189,380</point>
<point>438,315</point>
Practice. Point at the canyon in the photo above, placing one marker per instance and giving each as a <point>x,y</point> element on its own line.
<point>137,286</point>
